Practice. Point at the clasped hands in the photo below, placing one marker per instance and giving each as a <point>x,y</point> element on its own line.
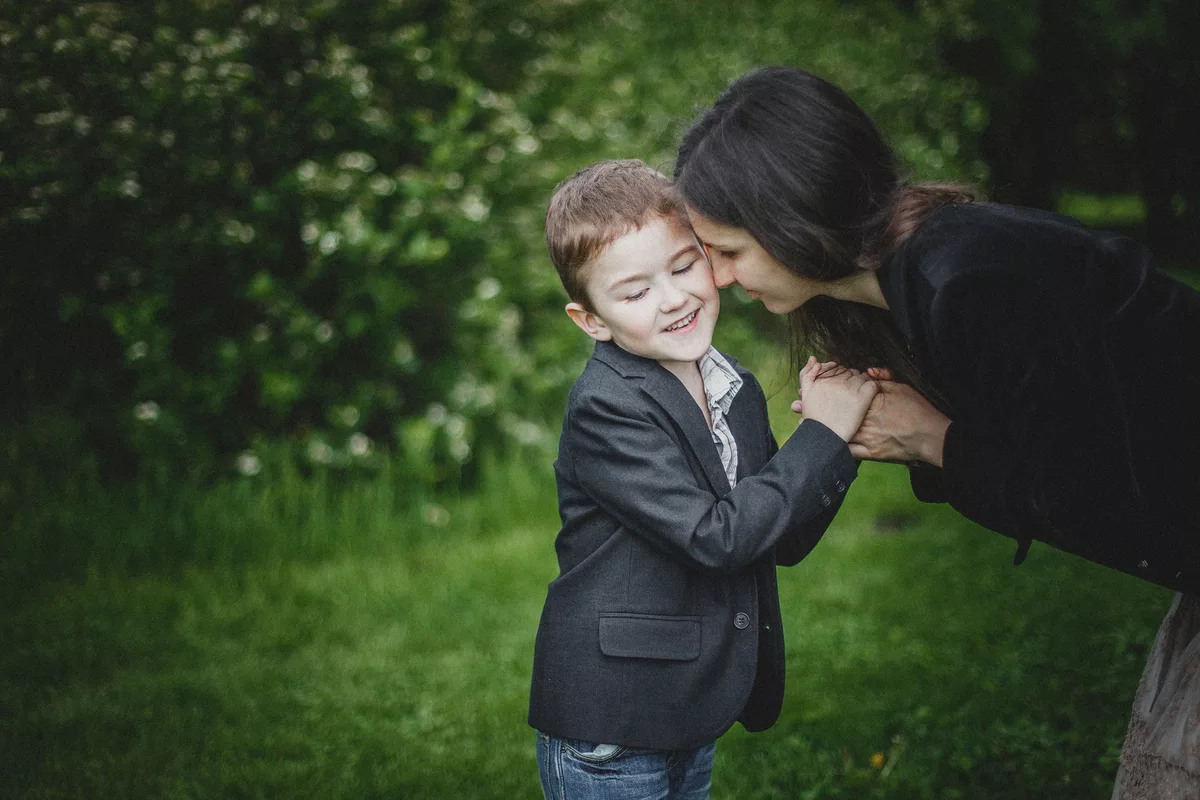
<point>882,420</point>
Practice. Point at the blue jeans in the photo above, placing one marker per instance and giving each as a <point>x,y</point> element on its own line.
<point>571,769</point>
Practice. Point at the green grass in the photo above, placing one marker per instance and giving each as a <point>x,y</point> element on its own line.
<point>404,673</point>
<point>378,644</point>
<point>64,523</point>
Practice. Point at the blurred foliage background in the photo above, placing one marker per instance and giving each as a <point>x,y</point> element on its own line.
<point>232,226</point>
<point>235,232</point>
<point>272,278</point>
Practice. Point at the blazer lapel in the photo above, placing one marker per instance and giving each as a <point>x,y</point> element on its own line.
<point>670,393</point>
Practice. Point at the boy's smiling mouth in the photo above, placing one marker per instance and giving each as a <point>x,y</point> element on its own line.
<point>683,323</point>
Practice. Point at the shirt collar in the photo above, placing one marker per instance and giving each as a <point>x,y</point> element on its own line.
<point>721,381</point>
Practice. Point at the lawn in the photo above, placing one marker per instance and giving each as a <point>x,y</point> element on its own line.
<point>921,664</point>
<point>348,646</point>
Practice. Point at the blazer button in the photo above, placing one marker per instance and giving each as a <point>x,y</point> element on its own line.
<point>741,620</point>
<point>841,487</point>
<point>825,501</point>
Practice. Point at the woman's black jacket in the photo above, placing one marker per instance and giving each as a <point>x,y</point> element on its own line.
<point>1070,369</point>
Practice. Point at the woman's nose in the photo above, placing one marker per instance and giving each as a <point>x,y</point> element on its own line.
<point>722,275</point>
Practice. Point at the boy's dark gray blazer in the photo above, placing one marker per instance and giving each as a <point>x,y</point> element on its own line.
<point>663,626</point>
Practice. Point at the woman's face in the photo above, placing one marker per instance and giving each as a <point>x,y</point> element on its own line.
<point>737,257</point>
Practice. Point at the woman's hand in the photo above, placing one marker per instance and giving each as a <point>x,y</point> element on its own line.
<point>837,397</point>
<point>901,425</point>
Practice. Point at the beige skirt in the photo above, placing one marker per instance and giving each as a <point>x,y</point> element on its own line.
<point>1161,755</point>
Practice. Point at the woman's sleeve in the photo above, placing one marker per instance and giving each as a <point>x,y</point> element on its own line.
<point>638,473</point>
<point>927,483</point>
<point>1038,447</point>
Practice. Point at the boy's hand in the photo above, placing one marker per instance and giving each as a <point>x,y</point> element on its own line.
<point>837,397</point>
<point>875,373</point>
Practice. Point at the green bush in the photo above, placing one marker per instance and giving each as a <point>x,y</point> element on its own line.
<point>227,226</point>
<point>228,222</point>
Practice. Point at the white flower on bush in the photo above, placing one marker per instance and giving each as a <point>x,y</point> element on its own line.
<point>356,160</point>
<point>146,412</point>
<point>403,353</point>
<point>527,145</point>
<point>436,413</point>
<point>348,416</point>
<point>138,350</point>
<point>320,452</point>
<point>460,450</point>
<point>523,430</point>
<point>435,515</point>
<point>248,464</point>
<point>359,445</point>
<point>456,426</point>
<point>324,331</point>
<point>382,185</point>
<point>330,240</point>
<point>487,289</point>
<point>474,207</point>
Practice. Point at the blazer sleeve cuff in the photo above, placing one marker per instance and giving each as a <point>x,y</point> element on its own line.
<point>821,445</point>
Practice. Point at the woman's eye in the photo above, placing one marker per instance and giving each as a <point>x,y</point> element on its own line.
<point>727,253</point>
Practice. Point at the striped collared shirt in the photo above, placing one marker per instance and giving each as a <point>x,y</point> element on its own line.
<point>721,384</point>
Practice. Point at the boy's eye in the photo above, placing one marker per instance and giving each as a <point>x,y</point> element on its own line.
<point>636,296</point>
<point>683,270</point>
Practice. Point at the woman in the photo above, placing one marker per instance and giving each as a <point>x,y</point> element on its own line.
<point>1062,371</point>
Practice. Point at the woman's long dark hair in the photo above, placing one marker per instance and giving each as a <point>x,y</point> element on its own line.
<point>793,160</point>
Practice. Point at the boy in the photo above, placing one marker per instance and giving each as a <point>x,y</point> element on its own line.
<point>663,626</point>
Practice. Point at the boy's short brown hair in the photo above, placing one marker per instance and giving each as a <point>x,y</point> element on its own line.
<point>595,206</point>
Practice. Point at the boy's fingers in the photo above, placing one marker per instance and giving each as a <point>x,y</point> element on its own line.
<point>798,406</point>
<point>880,373</point>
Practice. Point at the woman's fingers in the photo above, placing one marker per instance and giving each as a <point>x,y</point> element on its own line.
<point>880,374</point>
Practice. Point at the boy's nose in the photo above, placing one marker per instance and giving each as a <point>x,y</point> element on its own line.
<point>672,297</point>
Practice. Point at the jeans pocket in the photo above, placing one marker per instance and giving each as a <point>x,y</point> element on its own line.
<point>592,752</point>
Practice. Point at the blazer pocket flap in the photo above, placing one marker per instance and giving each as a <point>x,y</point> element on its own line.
<point>650,636</point>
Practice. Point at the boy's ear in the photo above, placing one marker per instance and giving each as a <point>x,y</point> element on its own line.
<point>588,322</point>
